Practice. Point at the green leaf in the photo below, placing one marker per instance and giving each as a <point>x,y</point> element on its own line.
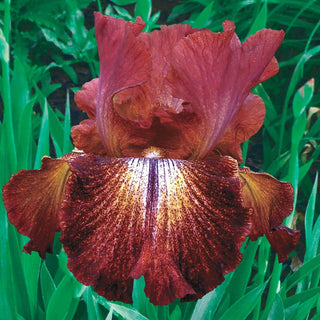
<point>24,138</point>
<point>277,311</point>
<point>304,309</point>
<point>19,282</point>
<point>143,9</point>
<point>140,300</point>
<point>19,84</point>
<point>4,48</point>
<point>123,13</point>
<point>92,305</point>
<point>43,143</point>
<point>241,275</point>
<point>207,306</point>
<point>303,272</point>
<point>302,98</point>
<point>301,297</point>
<point>109,316</point>
<point>260,20</point>
<point>127,313</point>
<point>123,2</point>
<point>244,306</point>
<point>66,294</point>
<point>312,236</point>
<point>203,18</point>
<point>7,303</point>
<point>176,313</point>
<point>51,36</point>
<point>67,145</point>
<point>48,286</point>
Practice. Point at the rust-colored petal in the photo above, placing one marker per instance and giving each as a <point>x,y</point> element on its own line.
<point>179,224</point>
<point>33,198</point>
<point>86,98</point>
<point>214,73</point>
<point>85,136</point>
<point>140,102</point>
<point>132,112</point>
<point>271,201</point>
<point>124,63</point>
<point>245,124</point>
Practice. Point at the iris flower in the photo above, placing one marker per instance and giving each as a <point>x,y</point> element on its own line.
<point>156,190</point>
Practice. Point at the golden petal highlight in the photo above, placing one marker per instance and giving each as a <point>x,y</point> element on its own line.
<point>33,199</point>
<point>271,201</point>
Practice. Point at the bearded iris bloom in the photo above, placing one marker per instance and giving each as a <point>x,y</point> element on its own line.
<point>156,190</point>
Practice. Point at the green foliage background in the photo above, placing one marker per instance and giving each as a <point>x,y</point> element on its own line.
<point>48,50</point>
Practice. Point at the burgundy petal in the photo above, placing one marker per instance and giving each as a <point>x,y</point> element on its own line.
<point>179,224</point>
<point>33,198</point>
<point>214,72</point>
<point>271,201</point>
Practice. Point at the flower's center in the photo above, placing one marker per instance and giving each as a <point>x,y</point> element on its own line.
<point>153,152</point>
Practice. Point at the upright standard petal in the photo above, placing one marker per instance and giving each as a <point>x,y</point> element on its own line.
<point>245,124</point>
<point>222,72</point>
<point>137,110</point>
<point>33,199</point>
<point>141,102</point>
<point>179,224</point>
<point>124,63</point>
<point>271,201</point>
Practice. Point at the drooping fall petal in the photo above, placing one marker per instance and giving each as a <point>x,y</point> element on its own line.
<point>245,124</point>
<point>179,224</point>
<point>33,199</point>
<point>221,71</point>
<point>271,201</point>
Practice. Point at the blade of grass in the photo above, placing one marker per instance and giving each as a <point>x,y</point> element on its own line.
<point>47,284</point>
<point>241,276</point>
<point>7,305</point>
<point>277,311</point>
<point>302,272</point>
<point>292,85</point>
<point>273,288</point>
<point>7,130</point>
<point>312,236</point>
<point>92,305</point>
<point>243,307</point>
<point>67,293</point>
<point>67,146</point>
<point>43,143</point>
<point>208,305</point>
<point>126,312</point>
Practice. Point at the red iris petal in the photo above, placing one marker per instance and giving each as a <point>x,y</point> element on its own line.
<point>124,63</point>
<point>245,124</point>
<point>86,98</point>
<point>271,201</point>
<point>214,72</point>
<point>33,198</point>
<point>179,224</point>
<point>86,137</point>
